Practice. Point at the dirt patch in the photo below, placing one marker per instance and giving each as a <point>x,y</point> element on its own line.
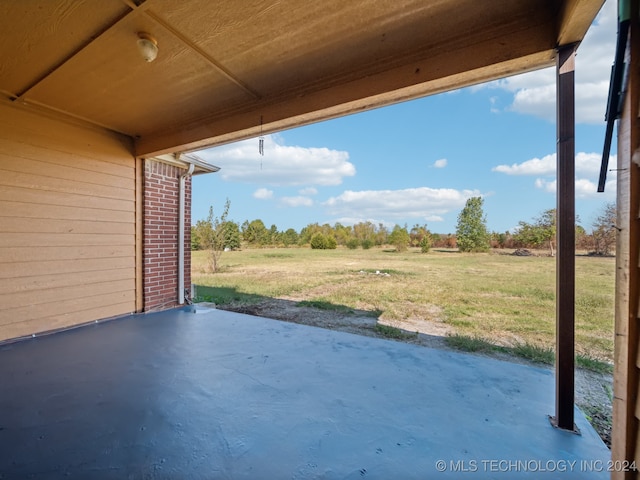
<point>418,332</point>
<point>356,322</point>
<point>593,390</point>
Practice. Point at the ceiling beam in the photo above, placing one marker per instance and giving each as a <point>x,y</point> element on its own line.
<point>473,62</point>
<point>208,58</point>
<point>67,58</point>
<point>574,19</point>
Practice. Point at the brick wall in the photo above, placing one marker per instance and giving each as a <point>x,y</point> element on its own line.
<point>161,198</point>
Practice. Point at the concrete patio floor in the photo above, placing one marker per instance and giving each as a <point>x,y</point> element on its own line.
<point>220,395</point>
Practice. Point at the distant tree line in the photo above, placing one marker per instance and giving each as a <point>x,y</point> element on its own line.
<point>220,234</point>
<point>541,233</point>
<point>255,234</point>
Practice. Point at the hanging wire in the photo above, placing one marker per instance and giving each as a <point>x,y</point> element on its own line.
<point>261,143</point>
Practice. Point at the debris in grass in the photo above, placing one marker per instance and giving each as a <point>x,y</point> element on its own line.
<point>522,252</point>
<point>377,272</point>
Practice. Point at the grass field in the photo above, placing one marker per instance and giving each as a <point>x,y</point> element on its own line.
<point>497,298</point>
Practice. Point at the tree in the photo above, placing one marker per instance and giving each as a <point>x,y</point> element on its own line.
<point>200,232</point>
<point>418,233</point>
<point>307,233</point>
<point>231,235</point>
<point>542,231</point>
<point>273,236</point>
<point>255,233</point>
<point>399,238</point>
<point>365,231</point>
<point>211,233</point>
<point>342,233</point>
<point>381,234</point>
<point>195,239</point>
<point>500,240</point>
<point>436,240</point>
<point>471,232</point>
<point>290,237</point>
<point>583,239</point>
<point>604,229</point>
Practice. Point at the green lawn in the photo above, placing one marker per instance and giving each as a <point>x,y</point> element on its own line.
<point>503,299</point>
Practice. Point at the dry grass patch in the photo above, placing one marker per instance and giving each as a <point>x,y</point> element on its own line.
<point>502,299</point>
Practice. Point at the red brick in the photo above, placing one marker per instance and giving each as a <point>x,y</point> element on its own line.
<point>160,245</point>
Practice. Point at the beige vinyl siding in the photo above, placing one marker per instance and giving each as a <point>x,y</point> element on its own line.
<point>67,224</point>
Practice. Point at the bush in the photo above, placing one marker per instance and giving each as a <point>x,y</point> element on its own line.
<point>425,244</point>
<point>318,241</point>
<point>367,243</point>
<point>353,243</point>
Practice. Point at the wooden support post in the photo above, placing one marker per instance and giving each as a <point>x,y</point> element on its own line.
<point>565,231</point>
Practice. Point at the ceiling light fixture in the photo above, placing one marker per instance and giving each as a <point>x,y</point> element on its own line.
<point>147,46</point>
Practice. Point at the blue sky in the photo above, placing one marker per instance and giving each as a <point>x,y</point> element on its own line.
<point>418,161</point>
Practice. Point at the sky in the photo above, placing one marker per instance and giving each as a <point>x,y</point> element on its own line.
<point>419,161</point>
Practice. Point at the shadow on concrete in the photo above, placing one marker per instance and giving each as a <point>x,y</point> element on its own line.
<point>315,313</point>
<point>231,299</point>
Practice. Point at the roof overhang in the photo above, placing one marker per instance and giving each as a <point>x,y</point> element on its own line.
<point>229,70</point>
<point>184,160</point>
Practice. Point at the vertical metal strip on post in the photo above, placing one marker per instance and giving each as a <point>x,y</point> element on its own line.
<point>565,230</point>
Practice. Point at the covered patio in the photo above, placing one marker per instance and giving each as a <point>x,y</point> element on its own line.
<point>94,135</point>
<point>204,393</point>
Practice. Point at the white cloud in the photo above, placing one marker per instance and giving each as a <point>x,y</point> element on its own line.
<point>587,173</point>
<point>296,201</point>
<point>494,101</point>
<point>308,191</point>
<point>425,203</point>
<point>587,164</point>
<point>585,188</point>
<point>441,163</point>
<point>263,194</point>
<point>535,92</point>
<point>547,185</point>
<point>281,165</point>
<point>536,166</point>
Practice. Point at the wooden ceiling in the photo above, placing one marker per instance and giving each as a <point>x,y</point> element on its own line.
<point>224,66</point>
